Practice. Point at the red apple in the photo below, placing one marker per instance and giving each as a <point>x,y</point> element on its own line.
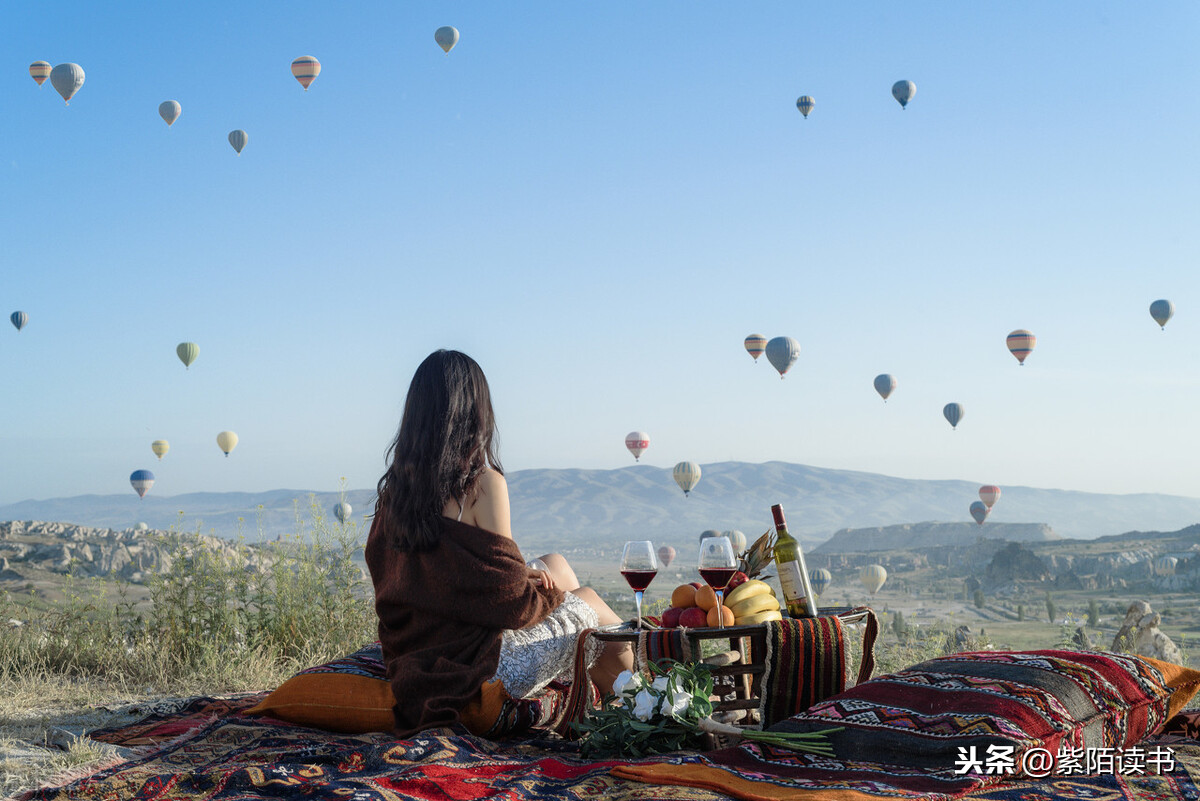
<point>670,618</point>
<point>696,584</point>
<point>694,618</point>
<point>738,578</point>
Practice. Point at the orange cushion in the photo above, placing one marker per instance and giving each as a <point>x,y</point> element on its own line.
<point>332,701</point>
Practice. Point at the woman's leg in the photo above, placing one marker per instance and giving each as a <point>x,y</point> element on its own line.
<point>616,656</point>
<point>564,575</point>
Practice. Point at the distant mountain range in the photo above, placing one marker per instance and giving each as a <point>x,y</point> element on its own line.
<point>557,508</point>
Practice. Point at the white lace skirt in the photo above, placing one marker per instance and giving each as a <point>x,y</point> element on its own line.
<point>532,658</point>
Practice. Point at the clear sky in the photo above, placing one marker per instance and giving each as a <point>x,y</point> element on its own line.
<point>599,201</point>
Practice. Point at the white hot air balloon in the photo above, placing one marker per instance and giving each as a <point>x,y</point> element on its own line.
<point>342,511</point>
<point>737,538</point>
<point>227,441</point>
<point>169,110</point>
<point>446,37</point>
<point>238,140</point>
<point>66,80</point>
<point>637,442</point>
<point>872,577</point>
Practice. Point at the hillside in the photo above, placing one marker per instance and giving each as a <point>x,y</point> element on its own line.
<point>560,508</point>
<point>910,536</point>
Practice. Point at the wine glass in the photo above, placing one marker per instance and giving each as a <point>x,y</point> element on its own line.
<point>717,566</point>
<point>639,567</point>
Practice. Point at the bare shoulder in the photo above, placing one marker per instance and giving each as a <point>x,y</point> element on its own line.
<point>491,509</point>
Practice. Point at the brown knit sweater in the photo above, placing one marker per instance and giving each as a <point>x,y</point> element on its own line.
<point>442,614</point>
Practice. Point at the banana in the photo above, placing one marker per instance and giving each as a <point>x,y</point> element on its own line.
<point>763,602</point>
<point>761,617</point>
<point>747,589</point>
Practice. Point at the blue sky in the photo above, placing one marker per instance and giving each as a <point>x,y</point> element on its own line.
<point>598,202</point>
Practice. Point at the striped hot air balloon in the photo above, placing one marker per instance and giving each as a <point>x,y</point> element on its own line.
<point>782,353</point>
<point>39,71</point>
<point>66,80</point>
<point>1161,311</point>
<point>904,91</point>
<point>805,104</point>
<point>446,37</point>
<point>979,510</point>
<point>953,412</point>
<point>1020,344</point>
<point>755,345</point>
<point>238,140</point>
<point>141,527</point>
<point>989,494</point>
<point>169,110</point>
<point>306,69</point>
<point>819,578</point>
<point>885,384</point>
<point>737,538</point>
<point>160,448</point>
<point>187,352</point>
<point>687,475</point>
<point>141,481</point>
<point>637,442</point>
<point>873,577</point>
<point>19,319</point>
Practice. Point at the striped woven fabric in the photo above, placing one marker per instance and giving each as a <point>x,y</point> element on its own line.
<point>805,663</point>
<point>660,644</point>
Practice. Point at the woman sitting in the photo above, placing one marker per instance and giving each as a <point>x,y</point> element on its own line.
<point>457,605</point>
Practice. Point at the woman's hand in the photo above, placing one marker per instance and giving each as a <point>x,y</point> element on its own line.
<point>542,578</point>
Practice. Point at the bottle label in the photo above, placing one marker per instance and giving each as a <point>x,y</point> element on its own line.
<point>793,588</point>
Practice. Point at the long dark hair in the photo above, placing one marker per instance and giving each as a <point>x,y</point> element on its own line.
<point>443,445</point>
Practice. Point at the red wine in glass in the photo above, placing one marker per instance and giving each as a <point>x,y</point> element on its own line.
<point>639,579</point>
<point>639,567</point>
<point>717,577</point>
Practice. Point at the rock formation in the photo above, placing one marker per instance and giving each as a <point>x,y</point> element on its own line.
<point>1141,635</point>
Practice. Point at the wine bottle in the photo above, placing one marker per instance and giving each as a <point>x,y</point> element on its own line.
<point>793,573</point>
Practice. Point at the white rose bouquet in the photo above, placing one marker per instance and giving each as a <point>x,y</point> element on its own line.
<point>670,711</point>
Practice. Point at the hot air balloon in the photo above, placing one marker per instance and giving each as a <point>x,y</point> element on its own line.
<point>805,104</point>
<point>169,110</point>
<point>885,383</point>
<point>66,80</point>
<point>306,69</point>
<point>1165,565</point>
<point>686,474</point>
<point>737,538</point>
<point>160,448</point>
<point>637,442</point>
<point>39,71</point>
<point>782,353</point>
<point>819,578</point>
<point>142,481</point>
<point>141,527</point>
<point>666,554</point>
<point>446,37</point>
<point>227,441</point>
<point>989,494</point>
<point>1020,344</point>
<point>342,511</point>
<point>709,532</point>
<point>904,91</point>
<point>872,577</point>
<point>187,352</point>
<point>1161,311</point>
<point>19,319</point>
<point>238,139</point>
<point>755,345</point>
<point>979,511</point>
<point>953,412</point>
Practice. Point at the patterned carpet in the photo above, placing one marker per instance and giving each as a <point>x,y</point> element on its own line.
<point>212,751</point>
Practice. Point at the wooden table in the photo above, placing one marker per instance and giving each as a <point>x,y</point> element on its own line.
<point>750,642</point>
